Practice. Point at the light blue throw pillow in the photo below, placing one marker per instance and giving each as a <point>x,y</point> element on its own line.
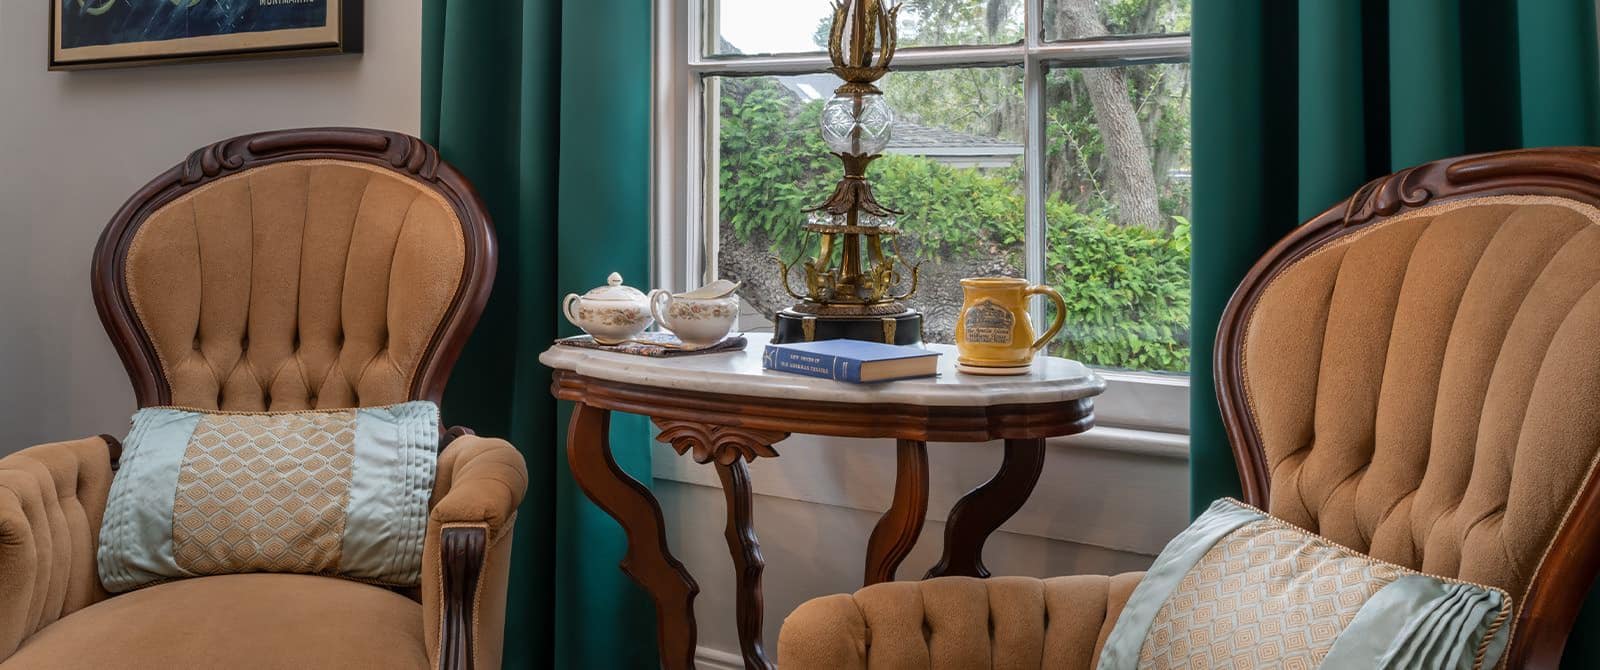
<point>1240,588</point>
<point>335,492</point>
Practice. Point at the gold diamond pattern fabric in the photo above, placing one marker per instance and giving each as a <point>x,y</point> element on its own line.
<point>1266,595</point>
<point>264,492</point>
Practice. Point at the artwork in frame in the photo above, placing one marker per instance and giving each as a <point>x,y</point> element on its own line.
<point>120,33</point>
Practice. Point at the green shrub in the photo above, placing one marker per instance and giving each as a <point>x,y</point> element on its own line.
<point>1126,288</point>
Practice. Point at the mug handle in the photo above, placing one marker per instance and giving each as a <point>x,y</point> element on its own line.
<point>566,309</point>
<point>655,306</point>
<point>1061,315</point>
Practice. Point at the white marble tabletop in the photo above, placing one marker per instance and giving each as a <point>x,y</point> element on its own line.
<point>739,373</point>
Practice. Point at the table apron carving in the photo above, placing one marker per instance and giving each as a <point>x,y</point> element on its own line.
<point>722,444</point>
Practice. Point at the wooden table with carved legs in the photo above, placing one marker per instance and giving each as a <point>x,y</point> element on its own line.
<point>725,411</point>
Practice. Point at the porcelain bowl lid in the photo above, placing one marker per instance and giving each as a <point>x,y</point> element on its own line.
<point>614,291</point>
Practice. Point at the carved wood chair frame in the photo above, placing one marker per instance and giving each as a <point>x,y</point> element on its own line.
<point>406,157</point>
<point>1560,585</point>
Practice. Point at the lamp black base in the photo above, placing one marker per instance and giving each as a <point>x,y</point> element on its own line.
<point>902,328</point>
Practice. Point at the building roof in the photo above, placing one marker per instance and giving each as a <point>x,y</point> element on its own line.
<point>908,137</point>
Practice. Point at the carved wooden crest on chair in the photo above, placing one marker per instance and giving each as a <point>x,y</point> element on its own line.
<point>400,156</point>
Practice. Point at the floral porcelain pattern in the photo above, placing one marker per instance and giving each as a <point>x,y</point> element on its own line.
<point>697,321</point>
<point>612,316</point>
<point>699,311</point>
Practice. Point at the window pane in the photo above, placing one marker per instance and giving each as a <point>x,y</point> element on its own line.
<point>953,165</point>
<point>750,27</point>
<point>1080,19</point>
<point>1117,241</point>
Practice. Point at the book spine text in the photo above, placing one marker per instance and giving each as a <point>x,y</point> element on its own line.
<point>822,366</point>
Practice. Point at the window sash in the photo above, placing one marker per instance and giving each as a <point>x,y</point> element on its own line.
<point>685,154</point>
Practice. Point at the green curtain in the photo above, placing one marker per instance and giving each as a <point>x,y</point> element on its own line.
<point>544,105</point>
<point>1297,104</point>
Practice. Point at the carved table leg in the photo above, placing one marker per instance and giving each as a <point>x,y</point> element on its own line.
<point>981,511</point>
<point>899,527</point>
<point>648,561</point>
<point>747,561</point>
<point>729,447</point>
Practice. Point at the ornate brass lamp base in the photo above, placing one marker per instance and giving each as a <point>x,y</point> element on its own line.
<point>898,328</point>
<point>852,280</point>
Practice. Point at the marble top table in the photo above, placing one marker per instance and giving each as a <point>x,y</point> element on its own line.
<point>725,410</point>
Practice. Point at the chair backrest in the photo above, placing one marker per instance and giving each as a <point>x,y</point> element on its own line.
<point>296,269</point>
<point>1416,374</point>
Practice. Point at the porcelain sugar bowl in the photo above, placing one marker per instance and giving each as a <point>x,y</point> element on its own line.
<point>612,314</point>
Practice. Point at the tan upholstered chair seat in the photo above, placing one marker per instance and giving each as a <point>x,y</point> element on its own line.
<point>295,622</point>
<point>959,622</point>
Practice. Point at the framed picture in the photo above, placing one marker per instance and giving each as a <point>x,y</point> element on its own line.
<point>121,33</point>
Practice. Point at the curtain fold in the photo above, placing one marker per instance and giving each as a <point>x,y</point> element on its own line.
<point>554,134</point>
<point>1296,105</point>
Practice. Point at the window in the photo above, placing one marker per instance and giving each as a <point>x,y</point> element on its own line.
<point>1047,139</point>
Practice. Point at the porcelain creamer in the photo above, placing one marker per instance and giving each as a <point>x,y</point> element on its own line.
<point>700,318</point>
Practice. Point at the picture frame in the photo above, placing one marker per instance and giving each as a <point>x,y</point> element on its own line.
<point>91,34</point>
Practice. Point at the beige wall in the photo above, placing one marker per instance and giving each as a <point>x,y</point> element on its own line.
<point>74,145</point>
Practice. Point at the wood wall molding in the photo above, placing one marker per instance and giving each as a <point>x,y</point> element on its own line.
<point>1562,582</point>
<point>406,156</point>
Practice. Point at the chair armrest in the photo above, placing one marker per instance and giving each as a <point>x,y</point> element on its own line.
<point>52,498</point>
<point>1003,622</point>
<point>466,555</point>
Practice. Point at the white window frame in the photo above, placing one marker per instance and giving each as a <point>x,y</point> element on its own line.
<point>683,195</point>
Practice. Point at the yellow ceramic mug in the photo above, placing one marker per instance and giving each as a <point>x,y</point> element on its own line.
<point>993,332</point>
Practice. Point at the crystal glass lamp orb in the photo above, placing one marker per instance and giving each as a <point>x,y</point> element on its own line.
<point>864,219</point>
<point>858,125</point>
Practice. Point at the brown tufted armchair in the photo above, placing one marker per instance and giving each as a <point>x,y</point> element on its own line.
<point>1413,374</point>
<point>285,270</point>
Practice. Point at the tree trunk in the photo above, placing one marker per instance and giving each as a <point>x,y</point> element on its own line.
<point>1128,173</point>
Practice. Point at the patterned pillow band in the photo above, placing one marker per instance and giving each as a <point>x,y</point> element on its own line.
<point>1242,589</point>
<point>337,492</point>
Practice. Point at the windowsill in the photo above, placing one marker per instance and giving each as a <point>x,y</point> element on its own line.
<point>1145,402</point>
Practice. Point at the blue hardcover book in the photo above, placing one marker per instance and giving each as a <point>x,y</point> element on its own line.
<point>852,361</point>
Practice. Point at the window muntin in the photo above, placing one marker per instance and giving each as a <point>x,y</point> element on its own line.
<point>768,27</point>
<point>1091,19</point>
<point>953,165</point>
<point>1021,158</point>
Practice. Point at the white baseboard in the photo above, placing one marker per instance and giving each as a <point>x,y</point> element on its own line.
<point>707,658</point>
